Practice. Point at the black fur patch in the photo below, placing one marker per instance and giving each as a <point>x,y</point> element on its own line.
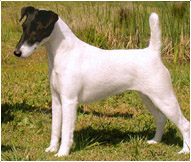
<point>37,26</point>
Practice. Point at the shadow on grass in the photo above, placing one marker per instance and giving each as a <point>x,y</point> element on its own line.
<point>99,114</point>
<point>8,110</point>
<point>5,148</point>
<point>90,137</point>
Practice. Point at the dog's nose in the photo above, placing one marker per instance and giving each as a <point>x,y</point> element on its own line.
<point>17,53</point>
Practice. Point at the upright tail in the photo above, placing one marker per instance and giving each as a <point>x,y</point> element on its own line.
<point>155,40</point>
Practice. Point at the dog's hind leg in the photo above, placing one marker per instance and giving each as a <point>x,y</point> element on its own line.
<point>159,117</point>
<point>168,105</point>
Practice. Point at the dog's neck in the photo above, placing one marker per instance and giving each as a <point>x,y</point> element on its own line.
<point>61,40</point>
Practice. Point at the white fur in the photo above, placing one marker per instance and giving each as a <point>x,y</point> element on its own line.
<point>81,73</point>
<point>28,50</point>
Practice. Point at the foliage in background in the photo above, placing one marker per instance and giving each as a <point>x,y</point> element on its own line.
<point>109,25</point>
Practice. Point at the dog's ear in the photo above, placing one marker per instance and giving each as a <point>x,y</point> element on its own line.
<point>46,18</point>
<point>25,11</point>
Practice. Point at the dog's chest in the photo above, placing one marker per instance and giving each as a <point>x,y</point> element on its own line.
<point>54,82</point>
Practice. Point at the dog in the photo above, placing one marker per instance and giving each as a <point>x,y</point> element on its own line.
<point>80,73</point>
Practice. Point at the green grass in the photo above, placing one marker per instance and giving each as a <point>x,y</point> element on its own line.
<point>113,129</point>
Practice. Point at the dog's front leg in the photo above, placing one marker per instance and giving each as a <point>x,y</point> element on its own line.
<point>56,123</point>
<point>68,123</point>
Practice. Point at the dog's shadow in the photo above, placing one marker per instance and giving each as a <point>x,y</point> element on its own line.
<point>90,137</point>
<point>99,114</point>
<point>8,110</point>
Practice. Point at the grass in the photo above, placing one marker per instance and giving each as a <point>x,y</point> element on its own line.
<point>113,129</point>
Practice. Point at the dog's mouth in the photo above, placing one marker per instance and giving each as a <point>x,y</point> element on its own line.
<point>25,50</point>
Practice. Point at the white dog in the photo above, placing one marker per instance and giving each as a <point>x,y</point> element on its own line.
<point>81,73</point>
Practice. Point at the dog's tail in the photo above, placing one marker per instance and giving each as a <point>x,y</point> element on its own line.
<point>155,40</point>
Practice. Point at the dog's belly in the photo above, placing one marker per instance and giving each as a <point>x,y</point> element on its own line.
<point>98,94</point>
<point>102,87</point>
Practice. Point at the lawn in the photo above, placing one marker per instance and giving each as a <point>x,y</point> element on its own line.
<point>113,129</point>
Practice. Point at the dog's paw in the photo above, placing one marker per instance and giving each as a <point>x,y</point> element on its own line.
<point>52,149</point>
<point>152,141</point>
<point>62,153</point>
<point>184,151</point>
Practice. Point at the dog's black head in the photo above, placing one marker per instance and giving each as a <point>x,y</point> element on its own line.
<point>37,26</point>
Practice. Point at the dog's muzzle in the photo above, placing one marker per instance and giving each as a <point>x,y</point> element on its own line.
<point>17,53</point>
